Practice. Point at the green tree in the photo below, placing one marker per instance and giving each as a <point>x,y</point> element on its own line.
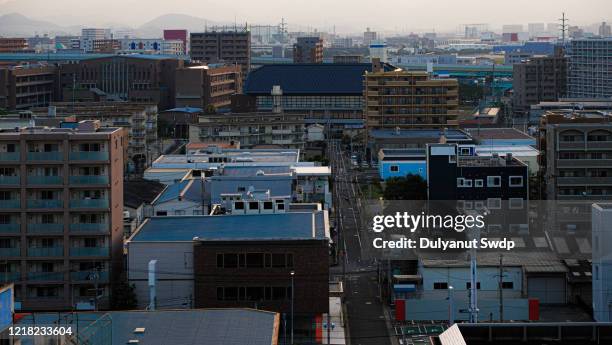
<point>124,296</point>
<point>411,187</point>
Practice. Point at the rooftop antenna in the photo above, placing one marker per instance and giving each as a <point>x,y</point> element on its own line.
<point>564,27</point>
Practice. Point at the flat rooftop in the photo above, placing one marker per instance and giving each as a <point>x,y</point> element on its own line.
<point>56,131</point>
<point>454,134</point>
<point>476,161</point>
<point>498,133</point>
<point>516,150</point>
<point>257,227</point>
<point>233,156</point>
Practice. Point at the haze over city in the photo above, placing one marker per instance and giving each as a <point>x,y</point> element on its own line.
<point>346,15</point>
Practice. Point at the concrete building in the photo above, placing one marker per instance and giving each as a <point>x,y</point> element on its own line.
<point>175,122</point>
<point>138,119</point>
<point>540,79</point>
<point>227,46</point>
<point>12,45</point>
<point>308,50</point>
<point>23,87</point>
<point>177,34</point>
<point>501,137</point>
<point>348,59</point>
<point>568,105</point>
<point>369,36</point>
<point>207,86</point>
<point>89,35</point>
<point>152,46</point>
<point>251,129</point>
<point>401,162</point>
<point>589,73</point>
<point>602,262</point>
<point>605,30</point>
<point>61,213</point>
<point>401,99</point>
<point>576,155</point>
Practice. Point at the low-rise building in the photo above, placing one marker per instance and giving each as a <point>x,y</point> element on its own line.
<point>209,87</point>
<point>401,162</point>
<point>501,137</point>
<point>152,46</point>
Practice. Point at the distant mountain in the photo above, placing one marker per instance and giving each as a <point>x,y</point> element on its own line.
<point>155,27</point>
<point>15,24</point>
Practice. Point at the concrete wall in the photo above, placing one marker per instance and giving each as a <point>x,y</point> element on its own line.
<point>438,309</point>
<point>457,277</point>
<point>405,168</point>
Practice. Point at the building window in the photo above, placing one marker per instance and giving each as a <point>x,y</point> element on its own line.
<point>479,183</point>
<point>507,285</point>
<point>394,168</point>
<point>179,212</point>
<point>440,286</point>
<point>516,203</point>
<point>161,213</point>
<point>494,203</point>
<point>464,183</point>
<point>493,181</point>
<point>468,285</point>
<point>516,181</point>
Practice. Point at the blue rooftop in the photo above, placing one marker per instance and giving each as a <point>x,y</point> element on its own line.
<point>189,110</point>
<point>171,192</point>
<point>257,227</point>
<point>346,79</point>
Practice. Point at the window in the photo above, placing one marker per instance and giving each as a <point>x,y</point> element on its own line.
<point>468,285</point>
<point>230,260</point>
<point>516,181</point>
<point>239,205</point>
<point>516,203</point>
<point>268,205</point>
<point>440,286</point>
<point>494,203</point>
<point>255,260</point>
<point>464,151</point>
<point>253,205</point>
<point>161,213</point>
<point>394,168</point>
<point>179,212</point>
<point>464,183</point>
<point>478,183</point>
<point>493,181</point>
<point>507,285</point>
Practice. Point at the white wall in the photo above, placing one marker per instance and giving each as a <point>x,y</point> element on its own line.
<point>457,277</point>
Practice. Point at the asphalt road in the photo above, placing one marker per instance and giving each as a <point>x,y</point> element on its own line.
<point>366,320</point>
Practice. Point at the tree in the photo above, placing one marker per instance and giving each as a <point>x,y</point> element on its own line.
<point>411,187</point>
<point>124,296</point>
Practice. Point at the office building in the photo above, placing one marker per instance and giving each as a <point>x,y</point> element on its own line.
<point>589,72</point>
<point>227,46</point>
<point>308,50</point>
<point>61,212</point>
<point>177,34</point>
<point>12,45</point>
<point>402,99</point>
<point>576,155</point>
<point>26,86</point>
<point>138,119</point>
<point>207,87</point>
<point>342,43</point>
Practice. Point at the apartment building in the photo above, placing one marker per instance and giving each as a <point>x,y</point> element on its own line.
<point>409,100</point>
<point>576,155</point>
<point>539,79</point>
<point>138,119</point>
<point>308,50</point>
<point>22,87</point>
<point>152,46</point>
<point>61,206</point>
<point>251,129</point>
<point>89,35</point>
<point>206,86</point>
<point>229,46</point>
<point>589,72</point>
<point>12,45</point>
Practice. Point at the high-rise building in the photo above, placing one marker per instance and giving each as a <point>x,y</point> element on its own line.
<point>22,87</point>
<point>61,214</point>
<point>228,46</point>
<point>605,30</point>
<point>369,36</point>
<point>308,50</point>
<point>402,99</point>
<point>590,68</point>
<point>205,86</point>
<point>539,79</point>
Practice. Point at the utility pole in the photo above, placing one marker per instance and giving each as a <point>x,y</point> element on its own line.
<point>501,290</point>
<point>564,27</point>
<point>292,299</point>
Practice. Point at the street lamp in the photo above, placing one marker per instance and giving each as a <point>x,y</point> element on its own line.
<point>292,298</point>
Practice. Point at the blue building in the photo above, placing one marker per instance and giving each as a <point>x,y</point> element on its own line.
<point>401,162</point>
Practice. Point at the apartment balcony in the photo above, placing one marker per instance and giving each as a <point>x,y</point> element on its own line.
<point>10,228</point>
<point>44,228</point>
<point>281,131</point>
<point>584,181</point>
<point>572,145</point>
<point>283,142</point>
<point>89,155</point>
<point>229,134</point>
<point>45,276</point>
<point>89,203</point>
<point>605,145</point>
<point>583,163</point>
<point>90,276</point>
<point>45,180</point>
<point>45,156</point>
<point>12,203</point>
<point>89,251</point>
<point>45,251</point>
<point>9,156</point>
<point>89,179</point>
<point>10,276</point>
<point>52,203</point>
<point>89,227</point>
<point>14,251</point>
<point>9,180</point>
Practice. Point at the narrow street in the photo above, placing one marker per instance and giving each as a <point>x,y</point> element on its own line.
<point>366,319</point>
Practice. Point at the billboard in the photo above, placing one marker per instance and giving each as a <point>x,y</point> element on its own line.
<point>6,306</point>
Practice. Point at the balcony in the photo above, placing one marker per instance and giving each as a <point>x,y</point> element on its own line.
<point>52,203</point>
<point>89,227</point>
<point>89,276</point>
<point>45,276</point>
<point>89,251</point>
<point>15,251</point>
<point>11,228</point>
<point>45,180</point>
<point>606,145</point>
<point>89,203</point>
<point>10,276</point>
<point>13,203</point>
<point>89,179</point>
<point>46,251</point>
<point>9,156</point>
<point>572,145</point>
<point>89,156</point>
<point>44,228</point>
<point>585,180</point>
<point>9,180</point>
<point>583,163</point>
<point>45,156</point>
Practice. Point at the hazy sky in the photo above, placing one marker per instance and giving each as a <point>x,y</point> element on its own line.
<point>396,15</point>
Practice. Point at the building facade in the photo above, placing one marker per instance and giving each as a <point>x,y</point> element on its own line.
<point>177,34</point>
<point>540,79</point>
<point>61,214</point>
<point>589,72</point>
<point>308,50</point>
<point>232,47</point>
<point>22,87</point>
<point>152,45</point>
<point>12,45</point>
<point>207,87</point>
